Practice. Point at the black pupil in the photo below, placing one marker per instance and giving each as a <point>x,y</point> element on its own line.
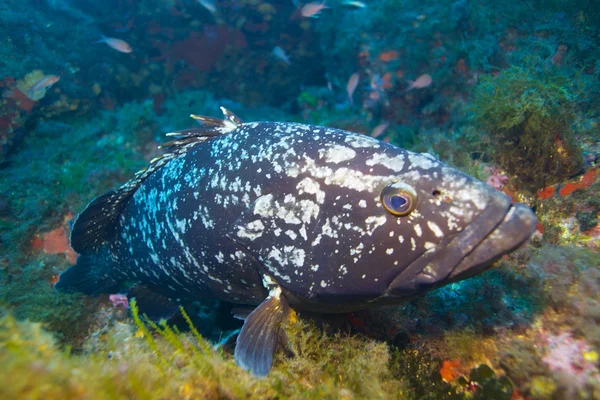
<point>397,201</point>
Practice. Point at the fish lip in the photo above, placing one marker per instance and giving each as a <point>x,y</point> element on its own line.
<point>516,228</point>
<point>471,251</point>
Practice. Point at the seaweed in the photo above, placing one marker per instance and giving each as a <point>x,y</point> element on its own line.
<point>161,362</point>
<point>529,113</point>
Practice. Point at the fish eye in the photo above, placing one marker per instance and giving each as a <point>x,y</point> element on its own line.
<point>399,199</point>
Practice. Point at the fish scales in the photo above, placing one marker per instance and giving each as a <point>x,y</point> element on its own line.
<point>290,215</point>
<point>215,184</point>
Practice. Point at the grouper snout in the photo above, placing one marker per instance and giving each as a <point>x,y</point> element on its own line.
<point>501,228</point>
<point>518,225</point>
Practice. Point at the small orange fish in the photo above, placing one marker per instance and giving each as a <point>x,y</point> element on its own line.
<point>421,82</point>
<point>117,44</point>
<point>379,129</point>
<point>351,85</point>
<point>312,9</point>
<point>42,84</point>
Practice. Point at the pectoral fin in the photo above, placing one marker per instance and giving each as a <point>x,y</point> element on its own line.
<point>262,330</point>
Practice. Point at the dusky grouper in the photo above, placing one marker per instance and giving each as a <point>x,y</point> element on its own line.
<point>284,215</point>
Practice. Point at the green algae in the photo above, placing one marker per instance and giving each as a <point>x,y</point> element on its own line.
<point>135,360</point>
<point>529,113</point>
<point>542,387</point>
<point>160,362</point>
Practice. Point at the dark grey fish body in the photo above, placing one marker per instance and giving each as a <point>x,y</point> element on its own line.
<point>328,219</point>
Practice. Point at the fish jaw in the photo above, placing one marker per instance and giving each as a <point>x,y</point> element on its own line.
<point>518,225</point>
<point>501,228</point>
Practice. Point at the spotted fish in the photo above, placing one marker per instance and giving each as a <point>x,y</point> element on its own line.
<point>286,216</point>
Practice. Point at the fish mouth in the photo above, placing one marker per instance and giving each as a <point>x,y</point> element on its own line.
<point>501,228</point>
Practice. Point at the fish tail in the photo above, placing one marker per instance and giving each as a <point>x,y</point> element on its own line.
<point>91,275</point>
<point>30,93</point>
<point>102,39</point>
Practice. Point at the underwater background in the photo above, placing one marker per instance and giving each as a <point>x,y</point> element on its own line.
<point>506,91</point>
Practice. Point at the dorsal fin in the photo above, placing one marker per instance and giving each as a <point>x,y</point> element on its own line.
<point>231,116</point>
<point>96,224</point>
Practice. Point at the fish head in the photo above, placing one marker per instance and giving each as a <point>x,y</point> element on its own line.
<point>395,223</point>
<point>457,226</point>
<point>52,79</point>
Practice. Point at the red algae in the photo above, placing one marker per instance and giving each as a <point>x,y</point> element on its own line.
<point>57,241</point>
<point>546,193</point>
<point>450,370</point>
<point>568,189</point>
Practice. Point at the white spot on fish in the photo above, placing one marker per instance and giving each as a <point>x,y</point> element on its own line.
<point>361,141</point>
<point>422,160</point>
<point>418,230</point>
<point>252,230</point>
<point>395,164</point>
<point>435,229</point>
<point>262,206</point>
<point>336,154</point>
<point>308,185</point>
<point>302,232</point>
<point>374,222</point>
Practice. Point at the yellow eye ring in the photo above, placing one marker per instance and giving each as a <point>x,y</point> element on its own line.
<point>399,199</point>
